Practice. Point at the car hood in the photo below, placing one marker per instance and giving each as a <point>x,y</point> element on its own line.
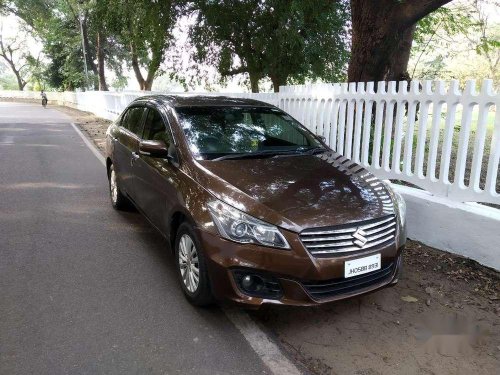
<point>299,192</point>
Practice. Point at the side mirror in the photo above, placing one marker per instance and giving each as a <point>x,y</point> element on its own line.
<point>154,149</point>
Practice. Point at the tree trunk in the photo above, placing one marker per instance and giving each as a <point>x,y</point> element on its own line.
<point>398,66</point>
<point>136,67</point>
<point>277,81</point>
<point>89,53</point>
<point>100,62</point>
<point>254,81</point>
<point>153,66</point>
<point>148,85</point>
<point>382,34</point>
<point>20,82</point>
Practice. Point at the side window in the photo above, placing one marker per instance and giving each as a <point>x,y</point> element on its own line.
<point>124,119</point>
<point>154,128</point>
<point>132,119</point>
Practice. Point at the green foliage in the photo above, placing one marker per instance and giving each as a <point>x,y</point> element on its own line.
<point>284,40</point>
<point>144,28</point>
<point>461,41</point>
<point>8,81</point>
<point>62,46</point>
<point>119,83</point>
<point>452,21</point>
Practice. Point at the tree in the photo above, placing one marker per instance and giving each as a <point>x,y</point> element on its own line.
<point>78,11</point>
<point>457,42</point>
<point>63,48</point>
<point>306,40</point>
<point>144,27</point>
<point>56,24</point>
<point>382,36</point>
<point>487,40</point>
<point>17,57</point>
<point>434,34</point>
<point>281,39</point>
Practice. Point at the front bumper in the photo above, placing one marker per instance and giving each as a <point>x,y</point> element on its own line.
<point>305,280</point>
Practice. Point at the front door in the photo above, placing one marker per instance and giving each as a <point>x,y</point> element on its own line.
<point>156,178</point>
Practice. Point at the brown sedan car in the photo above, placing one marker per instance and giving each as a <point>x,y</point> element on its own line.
<point>257,209</point>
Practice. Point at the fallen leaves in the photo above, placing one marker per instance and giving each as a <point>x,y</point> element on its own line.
<point>409,299</point>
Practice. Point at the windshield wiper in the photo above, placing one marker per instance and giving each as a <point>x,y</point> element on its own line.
<point>270,153</point>
<point>310,150</point>
<point>250,155</point>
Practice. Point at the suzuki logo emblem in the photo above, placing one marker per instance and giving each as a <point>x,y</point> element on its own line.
<point>359,237</point>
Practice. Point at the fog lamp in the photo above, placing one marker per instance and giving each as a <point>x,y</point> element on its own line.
<point>257,284</point>
<point>252,283</point>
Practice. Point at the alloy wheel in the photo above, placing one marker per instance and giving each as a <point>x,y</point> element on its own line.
<point>113,186</point>
<point>189,263</point>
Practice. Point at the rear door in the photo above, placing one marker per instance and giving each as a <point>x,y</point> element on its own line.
<point>156,178</point>
<point>127,148</point>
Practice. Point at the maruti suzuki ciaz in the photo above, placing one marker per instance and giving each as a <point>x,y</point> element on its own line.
<point>256,208</point>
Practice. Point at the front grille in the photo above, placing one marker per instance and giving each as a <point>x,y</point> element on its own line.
<point>329,288</point>
<point>323,242</point>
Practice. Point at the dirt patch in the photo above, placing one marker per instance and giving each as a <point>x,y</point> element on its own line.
<point>94,127</point>
<point>442,318</point>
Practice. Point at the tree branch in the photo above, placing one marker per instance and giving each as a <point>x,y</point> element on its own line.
<point>232,72</point>
<point>415,10</point>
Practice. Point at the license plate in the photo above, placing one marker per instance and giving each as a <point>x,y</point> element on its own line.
<point>360,266</point>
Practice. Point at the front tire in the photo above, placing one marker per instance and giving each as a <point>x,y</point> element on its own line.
<point>118,200</point>
<point>191,267</point>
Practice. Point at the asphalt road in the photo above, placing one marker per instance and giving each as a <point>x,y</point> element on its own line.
<point>85,289</point>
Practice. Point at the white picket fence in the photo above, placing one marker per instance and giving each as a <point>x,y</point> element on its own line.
<point>431,134</point>
<point>434,136</point>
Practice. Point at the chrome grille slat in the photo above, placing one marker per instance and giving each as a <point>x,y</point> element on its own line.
<point>346,230</point>
<point>383,234</point>
<point>367,226</point>
<point>338,240</point>
<point>334,244</point>
<point>377,230</point>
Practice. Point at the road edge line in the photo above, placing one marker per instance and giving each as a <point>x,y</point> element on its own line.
<point>89,144</point>
<point>268,351</point>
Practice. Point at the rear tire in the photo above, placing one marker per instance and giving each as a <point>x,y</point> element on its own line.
<point>118,200</point>
<point>191,267</point>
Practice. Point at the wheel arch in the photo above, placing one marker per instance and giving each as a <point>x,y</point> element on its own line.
<point>178,217</point>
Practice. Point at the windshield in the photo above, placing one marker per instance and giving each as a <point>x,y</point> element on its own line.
<point>223,132</point>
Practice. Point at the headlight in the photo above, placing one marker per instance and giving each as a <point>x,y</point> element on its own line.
<point>401,208</point>
<point>398,201</point>
<point>240,227</point>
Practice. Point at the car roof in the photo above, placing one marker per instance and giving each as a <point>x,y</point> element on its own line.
<point>177,101</point>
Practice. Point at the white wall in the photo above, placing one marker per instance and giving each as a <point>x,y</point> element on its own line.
<point>466,229</point>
